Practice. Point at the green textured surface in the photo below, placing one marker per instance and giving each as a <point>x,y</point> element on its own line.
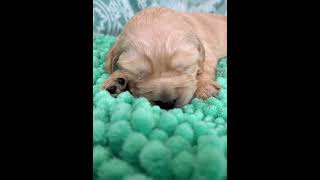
<point>133,140</point>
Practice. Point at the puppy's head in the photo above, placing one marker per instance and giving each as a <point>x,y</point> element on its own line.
<point>164,71</point>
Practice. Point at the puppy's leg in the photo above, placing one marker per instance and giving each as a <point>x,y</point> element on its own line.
<point>116,83</point>
<point>207,86</point>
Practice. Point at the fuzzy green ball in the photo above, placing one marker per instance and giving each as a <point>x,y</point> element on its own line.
<point>142,121</point>
<point>219,121</point>
<point>199,115</point>
<point>155,159</point>
<point>178,113</point>
<point>185,130</point>
<point>208,119</point>
<point>200,128</point>
<point>158,134</point>
<point>125,97</point>
<point>211,110</point>
<point>211,140</point>
<point>168,122</point>
<point>99,131</point>
<point>189,109</point>
<point>117,134</point>
<point>121,111</point>
<point>132,147</point>
<point>182,165</point>
<point>114,169</point>
<point>137,177</point>
<point>100,114</point>
<point>141,103</point>
<point>198,103</point>
<point>100,154</point>
<point>210,164</point>
<point>156,109</point>
<point>177,144</point>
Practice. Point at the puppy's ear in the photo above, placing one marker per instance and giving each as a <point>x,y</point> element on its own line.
<point>113,56</point>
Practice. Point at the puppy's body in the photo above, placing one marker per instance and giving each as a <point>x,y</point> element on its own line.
<point>170,56</point>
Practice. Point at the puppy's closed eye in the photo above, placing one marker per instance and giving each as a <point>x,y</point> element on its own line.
<point>185,61</point>
<point>134,65</point>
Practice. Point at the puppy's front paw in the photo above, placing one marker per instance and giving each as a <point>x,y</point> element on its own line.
<point>116,83</point>
<point>206,89</point>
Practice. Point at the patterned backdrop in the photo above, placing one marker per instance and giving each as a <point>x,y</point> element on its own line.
<point>109,16</point>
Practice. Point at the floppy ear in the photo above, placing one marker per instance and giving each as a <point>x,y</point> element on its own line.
<point>113,56</point>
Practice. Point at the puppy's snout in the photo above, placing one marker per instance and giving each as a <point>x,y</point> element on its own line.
<point>112,89</point>
<point>166,105</point>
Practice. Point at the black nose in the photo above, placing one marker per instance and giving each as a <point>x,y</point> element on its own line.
<point>112,89</point>
<point>166,105</point>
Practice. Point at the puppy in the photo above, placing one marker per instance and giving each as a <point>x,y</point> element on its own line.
<point>168,57</point>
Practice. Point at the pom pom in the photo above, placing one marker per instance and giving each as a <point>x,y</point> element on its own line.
<point>125,97</point>
<point>225,145</point>
<point>98,131</point>
<point>155,159</point>
<point>100,95</point>
<point>168,122</point>
<point>188,109</point>
<point>178,113</point>
<point>183,166</point>
<point>219,121</point>
<point>198,115</point>
<point>159,135</point>
<point>222,130</point>
<point>137,177</point>
<point>210,164</point>
<point>185,130</point>
<point>156,109</point>
<point>96,89</point>
<point>213,101</point>
<point>211,111</point>
<point>114,170</point>
<point>208,119</point>
<point>211,125</point>
<point>141,103</point>
<point>100,154</point>
<point>191,119</point>
<point>95,62</point>
<point>223,82</point>
<point>212,132</point>
<point>121,111</point>
<point>156,118</point>
<point>100,114</point>
<point>211,140</point>
<point>223,113</point>
<point>177,144</point>
<point>142,121</point>
<point>103,100</point>
<point>198,103</point>
<point>222,94</point>
<point>132,146</point>
<point>200,128</point>
<point>118,132</point>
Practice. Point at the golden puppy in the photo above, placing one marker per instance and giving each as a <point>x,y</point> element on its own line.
<point>168,57</point>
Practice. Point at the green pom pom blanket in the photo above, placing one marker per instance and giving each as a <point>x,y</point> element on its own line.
<point>133,140</point>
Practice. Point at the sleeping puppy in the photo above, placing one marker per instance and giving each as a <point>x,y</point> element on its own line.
<point>168,57</point>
